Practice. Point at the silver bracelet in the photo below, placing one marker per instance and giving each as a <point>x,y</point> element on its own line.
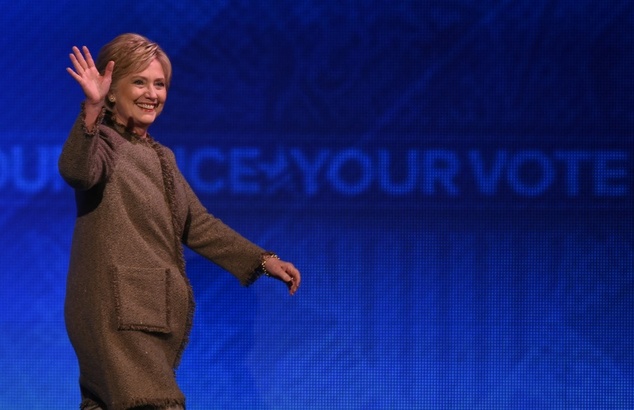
<point>265,258</point>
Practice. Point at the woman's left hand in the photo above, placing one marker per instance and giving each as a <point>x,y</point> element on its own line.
<point>284,271</point>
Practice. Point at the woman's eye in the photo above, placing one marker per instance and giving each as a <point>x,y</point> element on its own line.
<point>138,82</point>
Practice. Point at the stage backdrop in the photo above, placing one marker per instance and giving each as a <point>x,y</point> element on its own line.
<point>454,179</point>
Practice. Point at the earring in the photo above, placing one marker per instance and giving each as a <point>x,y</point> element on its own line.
<point>111,98</point>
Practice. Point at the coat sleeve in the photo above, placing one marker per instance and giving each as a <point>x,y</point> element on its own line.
<point>216,241</point>
<point>87,156</point>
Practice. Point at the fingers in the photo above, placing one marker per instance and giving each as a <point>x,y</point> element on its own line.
<point>82,60</point>
<point>108,72</point>
<point>293,273</point>
<point>94,85</point>
<point>73,74</point>
<point>79,70</point>
<point>285,272</point>
<point>78,60</point>
<point>292,287</point>
<point>85,60</point>
<point>88,56</point>
<point>294,277</point>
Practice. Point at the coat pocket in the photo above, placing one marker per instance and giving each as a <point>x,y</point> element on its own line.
<point>142,298</point>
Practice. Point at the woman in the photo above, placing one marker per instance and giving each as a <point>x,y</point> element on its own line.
<point>129,304</point>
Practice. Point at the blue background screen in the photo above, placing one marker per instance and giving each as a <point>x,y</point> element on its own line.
<point>454,179</point>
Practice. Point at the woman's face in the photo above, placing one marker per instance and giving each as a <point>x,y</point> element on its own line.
<point>139,98</point>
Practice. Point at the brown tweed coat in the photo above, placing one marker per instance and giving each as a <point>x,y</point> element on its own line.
<point>129,305</point>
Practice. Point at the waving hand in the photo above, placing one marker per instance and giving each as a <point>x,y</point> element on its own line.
<point>95,85</point>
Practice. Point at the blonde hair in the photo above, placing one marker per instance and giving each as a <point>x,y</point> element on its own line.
<point>131,54</point>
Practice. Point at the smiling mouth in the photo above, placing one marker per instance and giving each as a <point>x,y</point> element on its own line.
<point>147,107</point>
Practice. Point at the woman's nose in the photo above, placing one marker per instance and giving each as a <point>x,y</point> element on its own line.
<point>151,92</point>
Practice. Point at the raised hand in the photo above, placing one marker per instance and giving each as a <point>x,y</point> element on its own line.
<point>95,85</point>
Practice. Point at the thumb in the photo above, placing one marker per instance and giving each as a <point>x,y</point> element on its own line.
<point>108,71</point>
